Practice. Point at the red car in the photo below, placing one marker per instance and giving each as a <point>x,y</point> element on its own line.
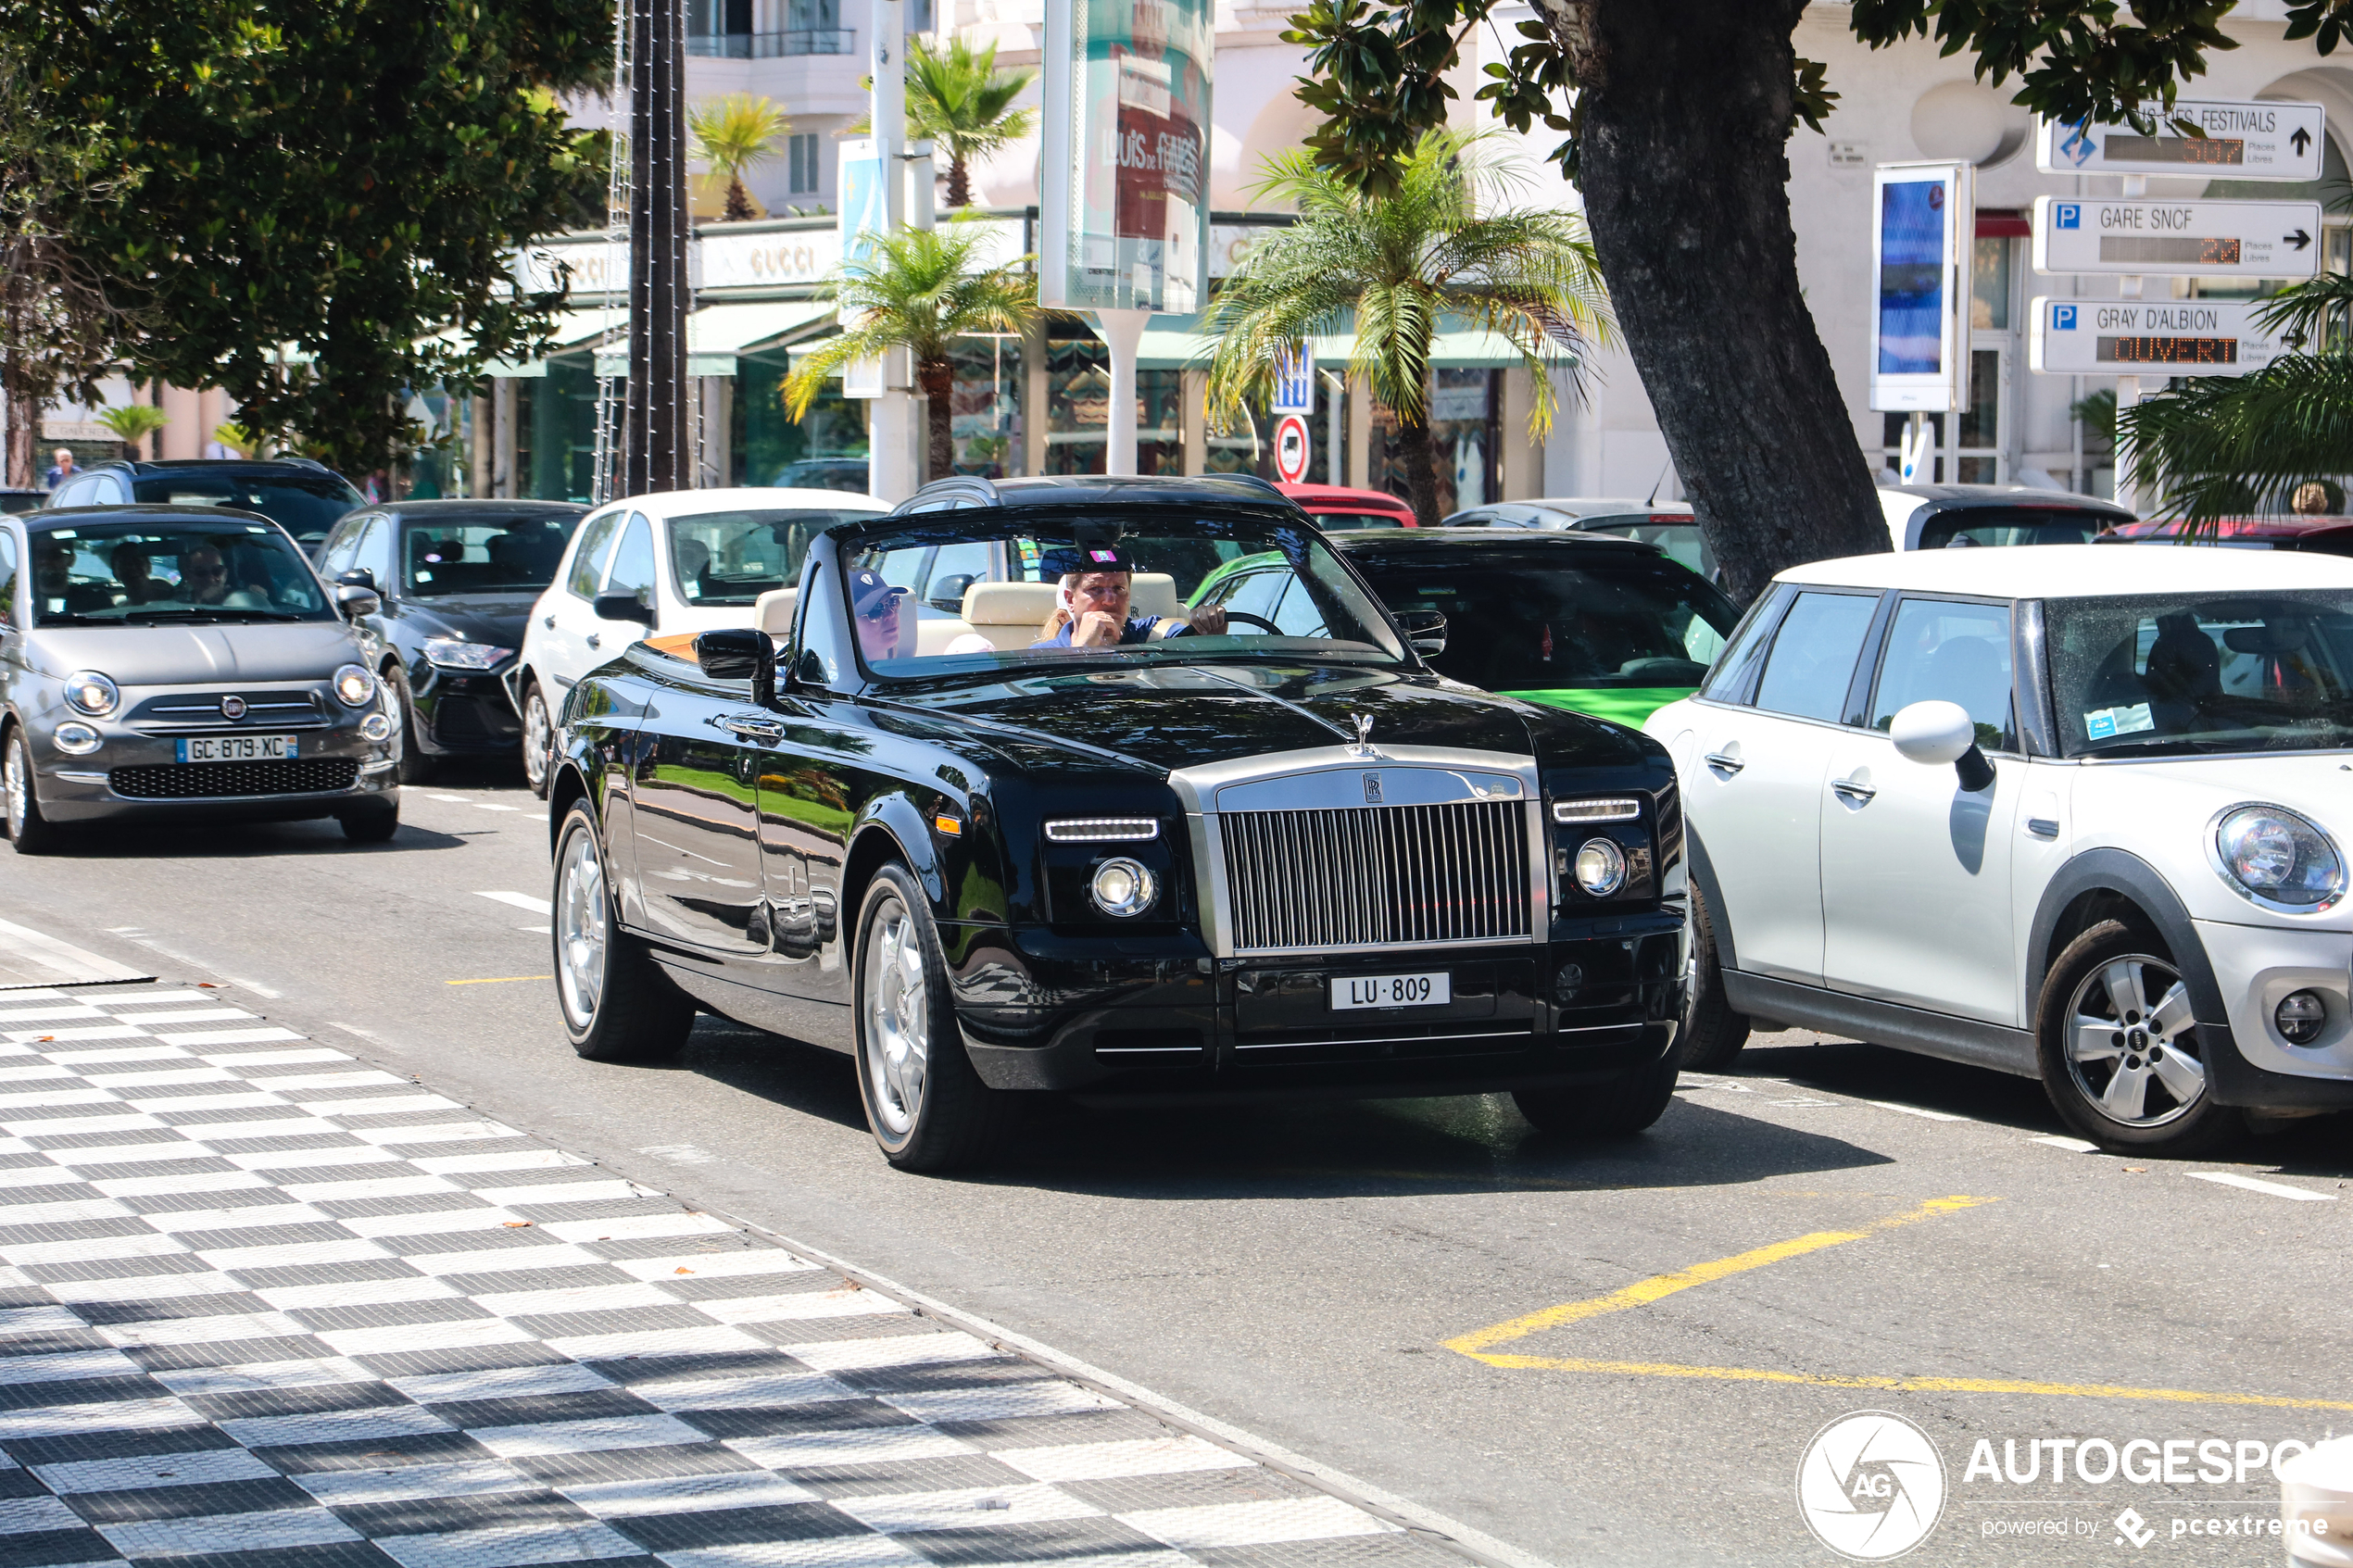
<point>1336,506</point>
<point>2326,535</point>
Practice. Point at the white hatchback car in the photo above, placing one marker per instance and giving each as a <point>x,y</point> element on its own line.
<point>2066,812</point>
<point>672,562</point>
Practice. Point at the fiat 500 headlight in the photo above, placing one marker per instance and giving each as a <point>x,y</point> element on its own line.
<point>354,685</point>
<point>2278,860</point>
<point>88,692</point>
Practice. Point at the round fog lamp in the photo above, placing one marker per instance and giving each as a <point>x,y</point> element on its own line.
<point>76,740</point>
<point>1123,887</point>
<point>375,726</point>
<point>354,685</point>
<point>1599,867</point>
<point>2300,1017</point>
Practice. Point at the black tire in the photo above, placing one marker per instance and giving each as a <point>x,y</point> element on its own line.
<point>616,1003</point>
<point>415,766</point>
<point>2140,1086</point>
<point>29,831</point>
<point>1711,1034</point>
<point>1620,1108</point>
<point>371,827</point>
<point>925,1103</point>
<point>538,739</point>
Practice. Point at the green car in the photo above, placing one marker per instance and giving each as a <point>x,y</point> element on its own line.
<point>1584,622</point>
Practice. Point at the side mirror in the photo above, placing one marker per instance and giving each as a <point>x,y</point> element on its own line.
<point>1425,631</point>
<point>947,593</point>
<point>1937,732</point>
<point>355,601</point>
<point>359,577</point>
<point>625,607</point>
<point>739,653</point>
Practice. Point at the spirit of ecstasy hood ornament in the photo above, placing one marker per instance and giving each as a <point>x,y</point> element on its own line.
<point>1363,744</point>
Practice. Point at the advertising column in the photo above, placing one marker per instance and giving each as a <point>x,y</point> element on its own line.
<point>1124,215</point>
<point>1919,346</point>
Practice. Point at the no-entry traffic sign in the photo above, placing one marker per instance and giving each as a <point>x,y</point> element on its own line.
<point>2165,337</point>
<point>1291,450</point>
<point>2242,140</point>
<point>2192,239</point>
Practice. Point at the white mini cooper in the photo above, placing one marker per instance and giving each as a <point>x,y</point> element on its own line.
<point>2066,812</point>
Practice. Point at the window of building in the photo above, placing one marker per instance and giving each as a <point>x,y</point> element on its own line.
<point>804,174</point>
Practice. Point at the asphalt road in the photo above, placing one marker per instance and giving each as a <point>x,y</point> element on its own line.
<point>1608,1354</point>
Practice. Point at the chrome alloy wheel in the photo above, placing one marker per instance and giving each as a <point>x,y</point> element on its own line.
<point>2131,1043</point>
<point>14,783</point>
<point>538,735</point>
<point>581,934</point>
<point>897,1003</point>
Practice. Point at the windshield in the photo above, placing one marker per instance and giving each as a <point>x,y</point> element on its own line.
<point>2179,674</point>
<point>305,505</point>
<point>1514,625</point>
<point>150,572</point>
<point>733,557</point>
<point>496,556</point>
<point>1963,526</point>
<point>1679,537</point>
<point>1137,587</point>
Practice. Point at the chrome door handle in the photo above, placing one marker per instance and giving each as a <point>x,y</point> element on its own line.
<point>1723,764</point>
<point>1847,789</point>
<point>766,729</point>
<point>594,641</point>
<point>548,621</point>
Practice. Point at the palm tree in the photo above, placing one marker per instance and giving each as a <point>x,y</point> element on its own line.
<point>918,291</point>
<point>1399,265</point>
<point>732,134</point>
<point>958,99</point>
<point>134,423</point>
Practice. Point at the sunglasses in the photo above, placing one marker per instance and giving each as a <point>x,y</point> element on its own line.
<point>882,611</point>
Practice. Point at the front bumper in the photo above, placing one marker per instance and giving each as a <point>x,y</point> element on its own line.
<point>137,773</point>
<point>2255,967</point>
<point>1159,1019</point>
<point>465,713</point>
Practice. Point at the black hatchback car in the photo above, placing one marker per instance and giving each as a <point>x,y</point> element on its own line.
<point>456,580</point>
<point>301,495</point>
<point>1215,855</point>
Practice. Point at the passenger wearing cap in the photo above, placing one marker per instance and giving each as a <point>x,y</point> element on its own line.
<point>1092,608</point>
<point>874,605</point>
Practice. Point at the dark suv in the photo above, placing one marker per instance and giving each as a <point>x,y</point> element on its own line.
<point>300,496</point>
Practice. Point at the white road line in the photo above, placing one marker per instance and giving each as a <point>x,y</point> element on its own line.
<point>1916,1110</point>
<point>2251,1184</point>
<point>458,798</point>
<point>34,957</point>
<point>2073,1145</point>
<point>521,901</point>
<point>489,805</point>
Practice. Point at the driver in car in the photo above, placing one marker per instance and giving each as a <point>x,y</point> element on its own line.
<point>1092,611</point>
<point>204,580</point>
<point>873,608</point>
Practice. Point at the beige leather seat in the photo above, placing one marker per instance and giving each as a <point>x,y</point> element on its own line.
<point>772,612</point>
<point>1008,614</point>
<point>1153,594</point>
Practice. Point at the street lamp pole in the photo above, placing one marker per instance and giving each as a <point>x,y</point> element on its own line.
<point>657,432</point>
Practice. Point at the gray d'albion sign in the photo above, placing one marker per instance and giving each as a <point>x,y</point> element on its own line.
<point>2165,337</point>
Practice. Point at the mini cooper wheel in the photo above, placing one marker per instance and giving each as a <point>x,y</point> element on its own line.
<point>927,1106</point>
<point>1618,1108</point>
<point>538,740</point>
<point>415,766</point>
<point>1711,1034</point>
<point>29,830</point>
<point>617,1005</point>
<point>2119,1050</point>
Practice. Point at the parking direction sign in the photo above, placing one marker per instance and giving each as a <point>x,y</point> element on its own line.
<point>2192,239</point>
<point>1295,380</point>
<point>2165,337</point>
<point>2242,141</point>
<point>1291,448</point>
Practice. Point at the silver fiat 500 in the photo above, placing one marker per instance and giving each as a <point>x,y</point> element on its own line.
<point>182,661</point>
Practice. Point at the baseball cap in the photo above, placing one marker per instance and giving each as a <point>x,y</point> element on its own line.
<point>869,594</point>
<point>1078,559</point>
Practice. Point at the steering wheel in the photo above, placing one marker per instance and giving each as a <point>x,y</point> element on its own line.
<point>1234,614</point>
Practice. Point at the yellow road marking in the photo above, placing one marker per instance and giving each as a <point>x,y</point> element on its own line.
<point>1660,1286</point>
<point>499,980</point>
<point>1476,1345</point>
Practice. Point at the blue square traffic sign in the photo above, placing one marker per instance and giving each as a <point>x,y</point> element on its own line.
<point>2062,318</point>
<point>2069,215</point>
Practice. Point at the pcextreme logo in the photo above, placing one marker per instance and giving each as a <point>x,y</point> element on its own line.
<point>1871,1485</point>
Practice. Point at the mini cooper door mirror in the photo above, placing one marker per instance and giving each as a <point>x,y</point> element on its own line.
<point>355,600</point>
<point>739,653</point>
<point>1426,630</point>
<point>625,607</point>
<point>1942,732</point>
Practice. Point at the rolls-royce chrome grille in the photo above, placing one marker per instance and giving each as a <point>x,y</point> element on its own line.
<point>1377,876</point>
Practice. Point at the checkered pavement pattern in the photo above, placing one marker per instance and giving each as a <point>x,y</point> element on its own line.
<point>263,1305</point>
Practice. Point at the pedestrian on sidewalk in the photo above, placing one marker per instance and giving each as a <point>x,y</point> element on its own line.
<point>61,470</point>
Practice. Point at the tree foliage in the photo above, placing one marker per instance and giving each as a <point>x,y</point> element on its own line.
<point>323,197</point>
<point>958,99</point>
<point>1443,243</point>
<point>732,134</point>
<point>2220,448</point>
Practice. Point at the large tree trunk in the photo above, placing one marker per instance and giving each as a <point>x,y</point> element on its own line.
<point>1685,119</point>
<point>959,182</point>
<point>23,426</point>
<point>938,379</point>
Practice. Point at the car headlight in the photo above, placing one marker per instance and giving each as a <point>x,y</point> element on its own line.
<point>1599,867</point>
<point>354,685</point>
<point>75,738</point>
<point>88,692</point>
<point>2277,859</point>
<point>456,653</point>
<point>1123,887</point>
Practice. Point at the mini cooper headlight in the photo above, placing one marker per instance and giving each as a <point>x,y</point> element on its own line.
<point>2278,860</point>
<point>1123,887</point>
<point>354,685</point>
<point>1599,867</point>
<point>456,653</point>
<point>75,738</point>
<point>88,692</point>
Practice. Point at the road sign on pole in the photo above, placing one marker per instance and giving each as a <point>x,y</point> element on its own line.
<point>1291,448</point>
<point>2242,140</point>
<point>1295,380</point>
<point>2181,239</point>
<point>2166,338</point>
<point>1919,260</point>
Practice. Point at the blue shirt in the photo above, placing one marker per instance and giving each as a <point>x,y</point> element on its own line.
<point>1137,630</point>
